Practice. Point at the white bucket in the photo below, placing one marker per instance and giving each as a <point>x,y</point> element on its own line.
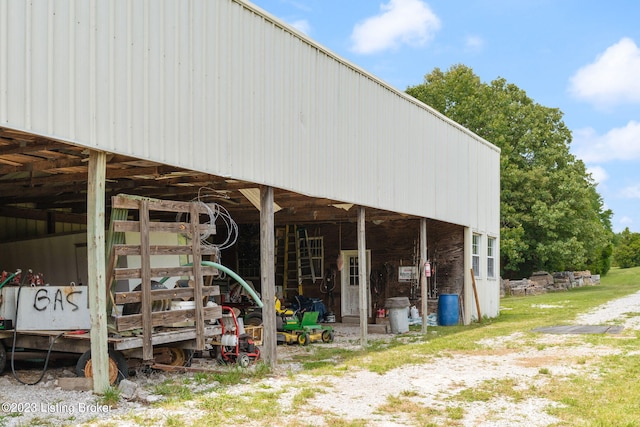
<point>415,314</point>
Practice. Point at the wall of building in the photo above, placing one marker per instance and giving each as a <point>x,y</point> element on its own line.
<point>62,259</point>
<point>224,88</point>
<point>392,244</point>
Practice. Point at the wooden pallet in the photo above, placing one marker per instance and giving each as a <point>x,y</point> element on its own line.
<point>148,319</point>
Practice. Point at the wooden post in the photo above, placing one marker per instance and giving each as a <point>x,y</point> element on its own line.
<point>423,278</point>
<point>267,276</point>
<point>196,247</point>
<point>96,269</point>
<point>475,294</point>
<point>145,287</point>
<point>363,282</point>
<point>467,291</point>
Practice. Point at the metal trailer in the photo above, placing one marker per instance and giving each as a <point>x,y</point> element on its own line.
<point>31,336</point>
<point>157,332</point>
<point>171,347</point>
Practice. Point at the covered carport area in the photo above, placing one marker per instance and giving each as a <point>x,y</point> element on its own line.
<point>51,188</point>
<point>160,100</point>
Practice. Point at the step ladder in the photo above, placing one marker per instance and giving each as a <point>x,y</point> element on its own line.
<point>293,259</point>
<point>303,253</point>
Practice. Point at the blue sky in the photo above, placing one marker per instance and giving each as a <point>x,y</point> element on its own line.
<point>581,56</point>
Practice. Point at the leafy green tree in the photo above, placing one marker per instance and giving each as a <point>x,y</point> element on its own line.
<point>552,217</point>
<point>627,250</point>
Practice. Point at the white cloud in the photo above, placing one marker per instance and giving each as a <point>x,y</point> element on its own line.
<point>301,25</point>
<point>612,78</point>
<point>598,173</point>
<point>474,43</point>
<point>617,144</point>
<point>625,220</point>
<point>631,192</point>
<point>399,22</point>
<point>299,5</point>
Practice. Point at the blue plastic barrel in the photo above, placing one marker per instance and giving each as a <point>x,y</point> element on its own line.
<point>448,310</point>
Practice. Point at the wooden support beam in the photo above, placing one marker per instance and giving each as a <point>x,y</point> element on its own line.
<point>96,269</point>
<point>268,275</point>
<point>145,261</point>
<point>363,277</point>
<point>467,293</point>
<point>197,274</point>
<point>423,277</point>
<point>475,295</point>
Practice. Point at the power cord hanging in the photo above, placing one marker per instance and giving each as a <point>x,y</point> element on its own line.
<point>215,212</point>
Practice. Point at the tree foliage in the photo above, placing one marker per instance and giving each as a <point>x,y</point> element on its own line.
<point>552,217</point>
<point>627,249</point>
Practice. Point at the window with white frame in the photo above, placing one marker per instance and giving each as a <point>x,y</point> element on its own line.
<point>491,258</point>
<point>475,254</point>
<point>316,251</point>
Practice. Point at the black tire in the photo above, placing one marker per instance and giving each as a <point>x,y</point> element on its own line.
<point>217,353</point>
<point>253,319</point>
<point>118,367</point>
<point>327,336</point>
<point>135,307</point>
<point>221,360</point>
<point>180,356</point>
<point>3,357</point>
<point>303,339</point>
<point>214,352</point>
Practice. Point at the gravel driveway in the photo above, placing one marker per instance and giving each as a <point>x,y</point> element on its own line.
<point>356,395</point>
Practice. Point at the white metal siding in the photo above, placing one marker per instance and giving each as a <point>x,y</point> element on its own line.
<point>221,87</point>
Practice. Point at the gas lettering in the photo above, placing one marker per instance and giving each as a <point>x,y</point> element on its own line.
<point>43,299</point>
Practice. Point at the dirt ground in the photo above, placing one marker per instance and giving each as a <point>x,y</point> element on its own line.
<point>355,394</point>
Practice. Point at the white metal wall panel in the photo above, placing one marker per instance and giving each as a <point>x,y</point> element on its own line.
<point>221,87</point>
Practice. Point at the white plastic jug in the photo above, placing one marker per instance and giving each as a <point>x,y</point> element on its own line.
<point>414,313</point>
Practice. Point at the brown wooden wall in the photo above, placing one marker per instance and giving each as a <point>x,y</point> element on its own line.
<point>392,244</point>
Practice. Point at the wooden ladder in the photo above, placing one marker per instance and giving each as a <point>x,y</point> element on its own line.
<point>303,254</point>
<point>293,248</point>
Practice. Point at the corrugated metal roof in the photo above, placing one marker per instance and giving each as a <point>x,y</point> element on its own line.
<point>224,88</point>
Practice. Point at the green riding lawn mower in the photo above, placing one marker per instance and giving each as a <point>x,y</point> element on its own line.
<point>300,327</point>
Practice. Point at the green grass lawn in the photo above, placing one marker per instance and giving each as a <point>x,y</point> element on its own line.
<point>608,394</point>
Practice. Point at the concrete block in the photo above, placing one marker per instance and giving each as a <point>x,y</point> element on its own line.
<point>128,389</point>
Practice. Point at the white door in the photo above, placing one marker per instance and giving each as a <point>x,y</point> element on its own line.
<point>350,280</point>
